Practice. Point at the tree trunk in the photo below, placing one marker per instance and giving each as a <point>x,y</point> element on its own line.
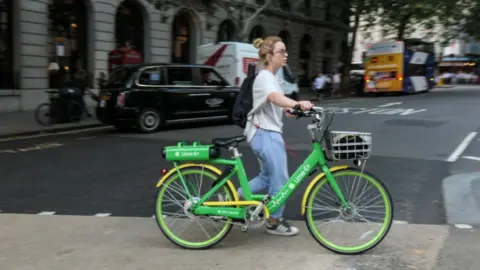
<point>402,26</point>
<point>345,87</point>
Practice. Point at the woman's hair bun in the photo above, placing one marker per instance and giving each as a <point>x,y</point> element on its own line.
<point>257,43</point>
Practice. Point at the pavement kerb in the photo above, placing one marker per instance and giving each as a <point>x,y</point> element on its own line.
<point>50,130</point>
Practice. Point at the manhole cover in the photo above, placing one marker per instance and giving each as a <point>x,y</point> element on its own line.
<point>416,123</point>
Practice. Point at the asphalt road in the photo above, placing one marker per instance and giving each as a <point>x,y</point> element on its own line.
<point>418,142</point>
<point>110,172</point>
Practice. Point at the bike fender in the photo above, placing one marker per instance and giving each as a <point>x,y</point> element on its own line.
<point>186,165</point>
<point>314,181</point>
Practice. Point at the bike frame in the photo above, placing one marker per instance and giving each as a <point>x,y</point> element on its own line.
<point>314,159</point>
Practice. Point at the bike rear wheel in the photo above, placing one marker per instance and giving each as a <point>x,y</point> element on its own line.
<point>172,202</point>
<point>347,225</point>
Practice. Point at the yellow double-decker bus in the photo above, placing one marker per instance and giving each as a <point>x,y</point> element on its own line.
<point>406,66</point>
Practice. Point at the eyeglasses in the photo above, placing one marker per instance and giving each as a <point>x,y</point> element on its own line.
<point>282,52</point>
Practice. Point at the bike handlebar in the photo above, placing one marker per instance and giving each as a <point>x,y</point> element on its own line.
<point>314,111</point>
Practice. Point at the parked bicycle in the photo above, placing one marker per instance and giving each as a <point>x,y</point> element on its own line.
<point>343,212</point>
<point>63,107</point>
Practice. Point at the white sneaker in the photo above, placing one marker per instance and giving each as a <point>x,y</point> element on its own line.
<point>282,227</point>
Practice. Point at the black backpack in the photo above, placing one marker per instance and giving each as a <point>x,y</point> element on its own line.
<point>244,101</point>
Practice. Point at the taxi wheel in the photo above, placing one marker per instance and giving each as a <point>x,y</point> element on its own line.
<point>149,120</point>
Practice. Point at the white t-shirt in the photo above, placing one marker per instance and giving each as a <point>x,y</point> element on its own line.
<point>264,113</point>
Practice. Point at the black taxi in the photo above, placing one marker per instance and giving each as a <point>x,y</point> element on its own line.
<point>149,96</point>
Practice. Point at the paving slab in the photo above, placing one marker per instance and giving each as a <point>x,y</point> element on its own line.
<point>79,242</point>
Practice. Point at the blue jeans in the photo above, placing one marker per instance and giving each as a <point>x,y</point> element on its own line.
<point>269,148</point>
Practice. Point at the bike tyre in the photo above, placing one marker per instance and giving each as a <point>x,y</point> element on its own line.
<point>38,111</point>
<point>356,249</point>
<point>161,222</point>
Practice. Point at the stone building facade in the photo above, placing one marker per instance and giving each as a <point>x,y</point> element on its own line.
<point>30,44</point>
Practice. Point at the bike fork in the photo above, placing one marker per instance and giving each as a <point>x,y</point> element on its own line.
<point>334,186</point>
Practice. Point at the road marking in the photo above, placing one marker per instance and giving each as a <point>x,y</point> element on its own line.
<point>46,213</point>
<point>390,104</point>
<point>400,222</point>
<point>375,111</point>
<point>85,138</point>
<point>471,158</point>
<point>463,226</point>
<point>4,151</point>
<point>102,214</point>
<point>32,148</point>
<point>13,138</point>
<point>461,147</point>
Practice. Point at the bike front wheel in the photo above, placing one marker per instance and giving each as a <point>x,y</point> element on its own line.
<point>177,223</point>
<point>366,223</point>
<point>44,115</point>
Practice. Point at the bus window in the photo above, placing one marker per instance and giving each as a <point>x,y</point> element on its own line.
<point>416,70</point>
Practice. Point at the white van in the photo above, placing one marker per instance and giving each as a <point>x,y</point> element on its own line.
<point>231,60</point>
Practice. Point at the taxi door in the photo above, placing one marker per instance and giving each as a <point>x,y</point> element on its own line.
<point>213,94</point>
<point>185,97</point>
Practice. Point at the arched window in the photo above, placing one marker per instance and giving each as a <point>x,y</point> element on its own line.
<point>182,38</point>
<point>129,26</point>
<point>305,46</point>
<point>6,45</point>
<point>226,31</point>
<point>68,34</point>
<point>284,5</point>
<point>305,55</point>
<point>257,32</point>
<point>328,45</point>
<point>285,36</point>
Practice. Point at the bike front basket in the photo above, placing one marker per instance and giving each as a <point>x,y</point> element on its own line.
<point>346,145</point>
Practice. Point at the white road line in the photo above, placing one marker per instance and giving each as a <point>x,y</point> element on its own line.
<point>461,147</point>
<point>400,222</point>
<point>85,138</point>
<point>390,104</point>
<point>471,158</point>
<point>46,213</point>
<point>102,214</point>
<point>14,138</point>
<point>463,226</point>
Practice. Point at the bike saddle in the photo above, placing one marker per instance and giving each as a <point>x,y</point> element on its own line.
<point>226,142</point>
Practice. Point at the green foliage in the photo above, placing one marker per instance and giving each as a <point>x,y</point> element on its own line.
<point>470,24</point>
<point>448,19</point>
<point>402,17</point>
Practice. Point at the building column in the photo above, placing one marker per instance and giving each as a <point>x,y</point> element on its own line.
<point>33,54</point>
<point>103,34</point>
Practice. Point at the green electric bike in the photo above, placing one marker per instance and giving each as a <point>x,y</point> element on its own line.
<point>362,214</point>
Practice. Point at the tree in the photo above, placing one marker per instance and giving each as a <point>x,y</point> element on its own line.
<point>459,19</point>
<point>356,12</point>
<point>399,17</point>
<point>446,18</point>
